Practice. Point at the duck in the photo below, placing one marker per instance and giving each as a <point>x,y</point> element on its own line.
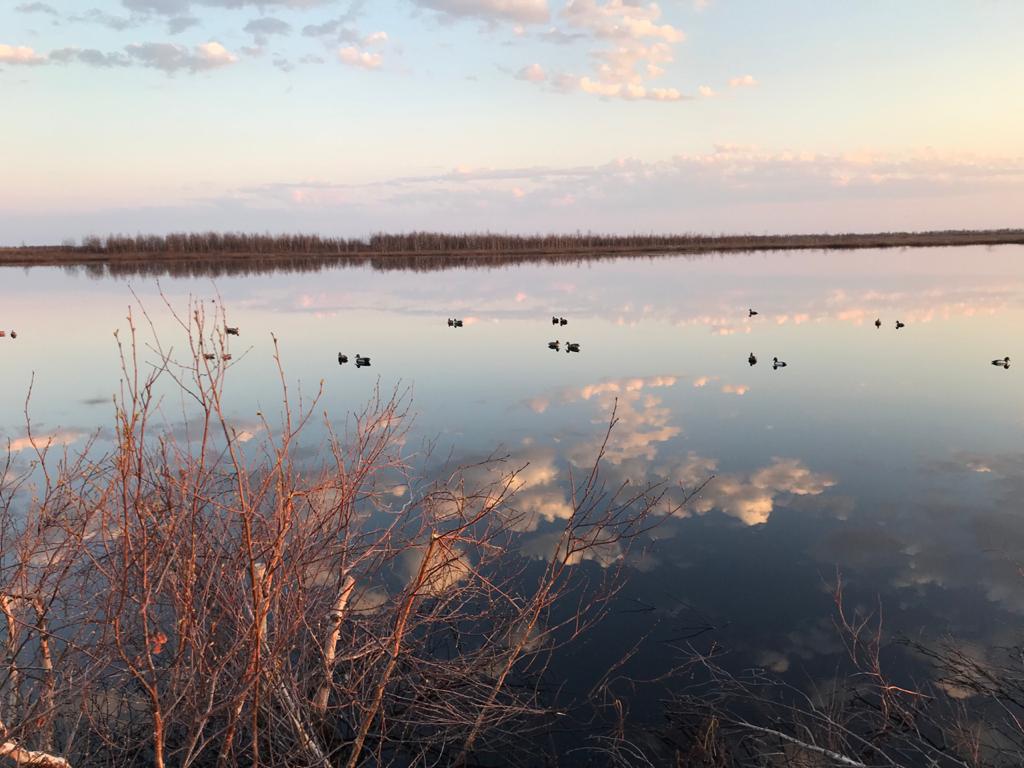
<point>878,322</point>
<point>899,325</point>
<point>451,323</point>
<point>342,359</point>
<point>361,361</point>
<point>752,312</point>
<point>458,323</point>
<point>209,356</point>
<point>752,359</point>
<point>553,344</point>
<point>226,357</point>
<point>559,321</point>
<point>776,363</point>
<point>572,346</point>
<point>1005,362</point>
<point>14,334</point>
<point>231,331</point>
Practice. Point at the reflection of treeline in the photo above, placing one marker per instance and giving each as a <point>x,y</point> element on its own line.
<point>233,252</point>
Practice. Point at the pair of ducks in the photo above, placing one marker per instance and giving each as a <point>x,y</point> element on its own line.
<point>878,324</point>
<point>14,334</point>
<point>776,363</point>
<point>454,323</point>
<point>211,356</point>
<point>570,346</point>
<point>360,360</point>
<point>559,321</point>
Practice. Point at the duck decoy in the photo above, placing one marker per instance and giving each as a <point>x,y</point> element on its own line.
<point>1005,362</point>
<point>553,344</point>
<point>752,359</point>
<point>752,312</point>
<point>899,325</point>
<point>572,346</point>
<point>361,361</point>
<point>342,359</point>
<point>878,322</point>
<point>776,363</point>
<point>231,331</point>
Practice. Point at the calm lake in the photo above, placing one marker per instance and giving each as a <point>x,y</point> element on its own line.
<point>891,456</point>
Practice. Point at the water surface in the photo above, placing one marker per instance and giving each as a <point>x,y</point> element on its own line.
<point>892,457</point>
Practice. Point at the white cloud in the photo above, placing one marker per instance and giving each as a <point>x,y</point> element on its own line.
<point>534,73</point>
<point>19,54</point>
<point>354,57</point>
<point>171,58</point>
<point>521,11</point>
<point>641,48</point>
<point>706,91</point>
<point>743,81</point>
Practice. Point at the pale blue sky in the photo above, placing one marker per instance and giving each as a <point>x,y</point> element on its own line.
<point>518,115</point>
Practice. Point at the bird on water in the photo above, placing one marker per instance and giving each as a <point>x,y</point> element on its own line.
<point>342,359</point>
<point>553,344</point>
<point>752,312</point>
<point>878,322</point>
<point>752,360</point>
<point>900,325</point>
<point>1004,363</point>
<point>230,331</point>
<point>776,363</point>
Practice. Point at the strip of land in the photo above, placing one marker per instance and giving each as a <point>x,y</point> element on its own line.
<point>420,250</point>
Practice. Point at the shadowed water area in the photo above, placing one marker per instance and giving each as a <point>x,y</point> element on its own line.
<point>891,456</point>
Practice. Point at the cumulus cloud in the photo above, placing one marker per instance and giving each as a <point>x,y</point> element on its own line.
<point>36,8</point>
<point>171,58</point>
<point>19,54</point>
<point>116,23</point>
<point>181,7</point>
<point>743,81</point>
<point>640,50</point>
<point>706,91</point>
<point>90,57</point>
<point>179,24</point>
<point>266,26</point>
<point>534,73</point>
<point>354,57</point>
<point>521,11</point>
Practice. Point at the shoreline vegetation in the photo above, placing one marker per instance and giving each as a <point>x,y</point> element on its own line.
<point>235,252</point>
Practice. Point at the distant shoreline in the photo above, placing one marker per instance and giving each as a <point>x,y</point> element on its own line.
<point>460,250</point>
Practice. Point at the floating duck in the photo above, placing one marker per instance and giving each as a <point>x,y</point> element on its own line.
<point>342,359</point>
<point>231,331</point>
<point>209,356</point>
<point>361,361</point>
<point>454,323</point>
<point>553,344</point>
<point>226,357</point>
<point>752,312</point>
<point>776,363</point>
<point>572,346</point>
<point>1005,362</point>
<point>899,325</point>
<point>752,360</point>
<point>14,334</point>
<point>878,322</point>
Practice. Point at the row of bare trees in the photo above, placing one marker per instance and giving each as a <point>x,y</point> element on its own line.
<point>484,243</point>
<point>193,598</point>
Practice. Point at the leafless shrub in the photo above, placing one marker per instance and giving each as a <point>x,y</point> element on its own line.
<point>202,600</point>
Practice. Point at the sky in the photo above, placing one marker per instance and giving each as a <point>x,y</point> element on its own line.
<point>348,117</point>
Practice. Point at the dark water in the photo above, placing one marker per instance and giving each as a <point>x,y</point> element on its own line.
<point>894,457</point>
